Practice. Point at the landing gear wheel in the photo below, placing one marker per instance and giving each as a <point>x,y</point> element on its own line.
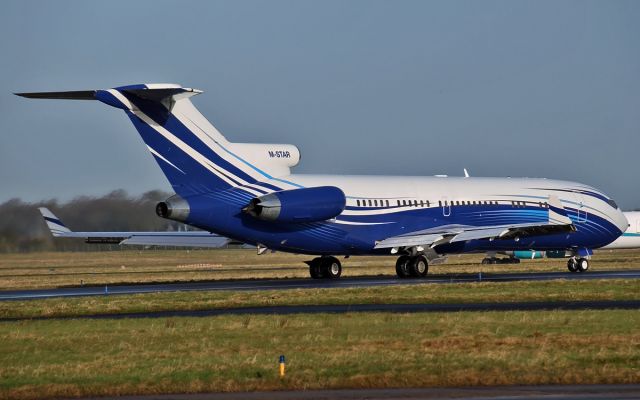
<point>582,265</point>
<point>418,266</point>
<point>486,261</point>
<point>331,268</point>
<point>402,267</point>
<point>315,269</point>
<point>572,265</point>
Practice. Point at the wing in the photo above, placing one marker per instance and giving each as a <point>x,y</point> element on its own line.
<point>186,239</point>
<point>558,221</point>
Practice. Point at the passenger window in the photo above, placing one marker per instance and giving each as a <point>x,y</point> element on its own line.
<point>415,203</point>
<point>358,203</point>
<point>369,202</point>
<point>427,203</point>
<point>439,203</point>
<point>375,202</point>
<point>421,203</point>
<point>387,201</point>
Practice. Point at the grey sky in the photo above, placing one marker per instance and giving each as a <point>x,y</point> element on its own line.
<point>544,89</point>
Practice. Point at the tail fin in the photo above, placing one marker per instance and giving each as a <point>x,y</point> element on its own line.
<point>194,156</point>
<point>54,224</point>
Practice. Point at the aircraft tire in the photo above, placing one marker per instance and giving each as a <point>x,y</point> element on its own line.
<point>315,269</point>
<point>572,265</point>
<point>418,266</point>
<point>402,265</point>
<point>582,265</point>
<point>331,268</point>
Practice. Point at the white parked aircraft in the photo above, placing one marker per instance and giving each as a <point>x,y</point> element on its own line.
<point>630,239</point>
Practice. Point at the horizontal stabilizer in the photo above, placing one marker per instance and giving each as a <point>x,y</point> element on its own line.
<point>121,97</point>
<point>74,95</point>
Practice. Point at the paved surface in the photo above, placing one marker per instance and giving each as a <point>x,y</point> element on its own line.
<point>564,392</point>
<point>271,284</point>
<point>351,308</point>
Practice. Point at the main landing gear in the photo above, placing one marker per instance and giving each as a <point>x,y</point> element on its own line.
<point>577,264</point>
<point>412,266</point>
<point>327,267</point>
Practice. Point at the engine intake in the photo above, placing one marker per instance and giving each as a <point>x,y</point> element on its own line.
<point>175,208</point>
<point>298,205</point>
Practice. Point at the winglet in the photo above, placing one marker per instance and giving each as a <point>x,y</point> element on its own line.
<point>54,224</point>
<point>557,213</point>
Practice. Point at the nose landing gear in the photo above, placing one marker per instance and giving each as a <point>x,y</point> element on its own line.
<point>577,264</point>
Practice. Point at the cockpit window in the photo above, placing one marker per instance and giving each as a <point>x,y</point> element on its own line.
<point>612,203</point>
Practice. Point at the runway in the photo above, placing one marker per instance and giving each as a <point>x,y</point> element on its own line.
<point>358,308</point>
<point>283,284</point>
<point>564,392</point>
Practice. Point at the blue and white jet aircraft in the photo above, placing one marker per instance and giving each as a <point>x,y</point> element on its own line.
<point>246,192</point>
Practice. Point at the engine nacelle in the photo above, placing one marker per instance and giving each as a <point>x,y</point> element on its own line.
<point>528,254</point>
<point>175,208</point>
<point>298,205</point>
<point>532,254</point>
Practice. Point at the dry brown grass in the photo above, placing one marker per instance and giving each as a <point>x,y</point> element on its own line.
<point>40,270</point>
<point>232,353</point>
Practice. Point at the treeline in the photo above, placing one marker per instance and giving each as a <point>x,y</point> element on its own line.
<point>23,229</point>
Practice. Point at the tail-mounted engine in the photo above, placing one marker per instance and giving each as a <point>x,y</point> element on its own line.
<point>298,205</point>
<point>175,208</point>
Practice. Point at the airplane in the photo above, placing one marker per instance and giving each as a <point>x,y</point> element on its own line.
<point>630,238</point>
<point>153,238</point>
<point>246,192</point>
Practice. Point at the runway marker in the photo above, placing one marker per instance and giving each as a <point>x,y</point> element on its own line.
<point>282,366</point>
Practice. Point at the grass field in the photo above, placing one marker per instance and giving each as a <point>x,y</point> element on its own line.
<point>39,270</point>
<point>115,357</point>
<point>76,357</point>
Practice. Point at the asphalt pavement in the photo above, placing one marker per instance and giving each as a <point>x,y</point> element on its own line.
<point>282,284</point>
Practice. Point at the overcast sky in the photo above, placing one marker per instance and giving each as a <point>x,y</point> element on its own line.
<point>507,88</point>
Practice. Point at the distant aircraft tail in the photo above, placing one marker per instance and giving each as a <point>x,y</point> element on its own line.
<point>194,156</point>
<point>54,224</point>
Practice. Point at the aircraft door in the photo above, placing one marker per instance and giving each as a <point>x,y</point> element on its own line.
<point>582,209</point>
<point>446,206</point>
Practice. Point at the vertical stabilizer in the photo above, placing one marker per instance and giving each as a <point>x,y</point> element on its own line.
<point>194,156</point>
